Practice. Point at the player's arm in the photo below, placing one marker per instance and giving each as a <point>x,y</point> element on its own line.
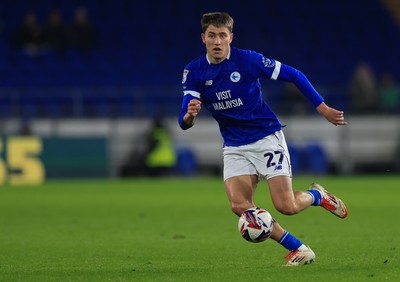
<point>190,108</point>
<point>191,104</point>
<point>295,76</point>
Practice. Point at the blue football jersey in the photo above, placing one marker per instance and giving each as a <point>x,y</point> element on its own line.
<point>231,92</point>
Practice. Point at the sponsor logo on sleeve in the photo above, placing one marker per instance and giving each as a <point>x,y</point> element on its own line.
<point>268,63</point>
<point>185,73</point>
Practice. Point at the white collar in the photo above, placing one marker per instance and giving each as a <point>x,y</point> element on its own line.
<point>227,57</point>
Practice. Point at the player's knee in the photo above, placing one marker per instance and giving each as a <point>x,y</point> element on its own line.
<point>287,209</point>
<point>239,208</point>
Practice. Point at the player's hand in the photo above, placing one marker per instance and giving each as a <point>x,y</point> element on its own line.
<point>332,115</point>
<point>194,107</point>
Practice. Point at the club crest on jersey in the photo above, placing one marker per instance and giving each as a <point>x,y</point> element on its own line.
<point>268,63</point>
<point>185,73</point>
<point>235,76</point>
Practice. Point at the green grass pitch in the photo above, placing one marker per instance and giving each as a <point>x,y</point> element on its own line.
<point>183,230</point>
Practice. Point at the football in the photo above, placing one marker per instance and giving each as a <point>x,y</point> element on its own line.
<point>256,225</point>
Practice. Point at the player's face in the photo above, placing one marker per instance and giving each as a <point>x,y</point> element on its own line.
<point>217,41</point>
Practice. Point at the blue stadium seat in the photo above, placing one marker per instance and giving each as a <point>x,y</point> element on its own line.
<point>186,163</point>
<point>315,159</point>
<point>139,45</point>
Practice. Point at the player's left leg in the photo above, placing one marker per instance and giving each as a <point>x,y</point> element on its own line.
<point>290,202</point>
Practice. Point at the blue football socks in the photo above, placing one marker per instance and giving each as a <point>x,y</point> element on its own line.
<point>290,242</point>
<point>316,195</point>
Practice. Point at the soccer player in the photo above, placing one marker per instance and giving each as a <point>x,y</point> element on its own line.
<point>225,81</point>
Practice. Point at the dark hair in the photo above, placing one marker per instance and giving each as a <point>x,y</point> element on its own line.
<point>217,19</point>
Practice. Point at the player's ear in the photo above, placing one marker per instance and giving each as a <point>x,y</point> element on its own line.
<point>231,37</point>
<point>203,37</point>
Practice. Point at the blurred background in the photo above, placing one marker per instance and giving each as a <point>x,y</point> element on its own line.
<point>93,88</point>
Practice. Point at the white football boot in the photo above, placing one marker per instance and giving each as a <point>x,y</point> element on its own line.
<point>300,257</point>
<point>330,202</point>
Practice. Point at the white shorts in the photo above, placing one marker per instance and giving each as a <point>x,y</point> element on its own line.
<point>266,158</point>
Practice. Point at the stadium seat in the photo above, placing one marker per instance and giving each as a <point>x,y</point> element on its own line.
<point>186,163</point>
<point>315,159</point>
<point>129,55</point>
